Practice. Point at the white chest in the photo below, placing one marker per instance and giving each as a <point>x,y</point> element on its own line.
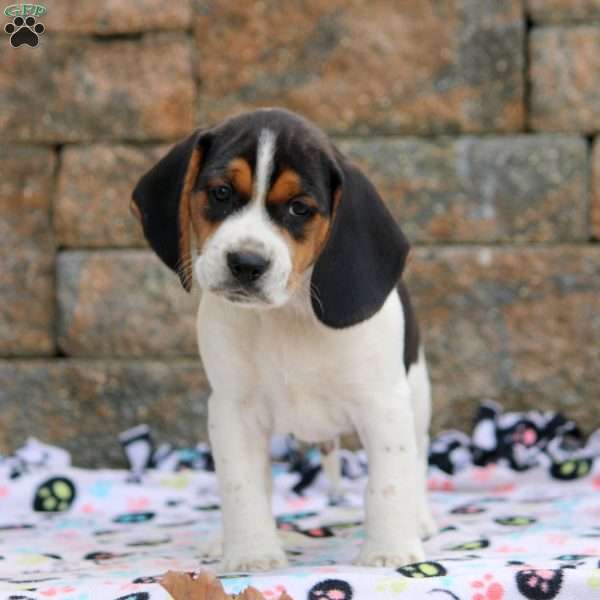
<point>305,385</point>
<point>297,375</point>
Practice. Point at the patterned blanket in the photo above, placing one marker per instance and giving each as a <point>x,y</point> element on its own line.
<point>518,504</point>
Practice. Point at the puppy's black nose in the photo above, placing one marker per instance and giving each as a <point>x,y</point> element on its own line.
<point>247,266</point>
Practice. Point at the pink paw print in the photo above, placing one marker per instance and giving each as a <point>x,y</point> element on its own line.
<point>488,589</point>
<point>137,503</point>
<point>54,591</point>
<point>440,485</point>
<point>504,488</point>
<point>296,503</point>
<point>274,593</point>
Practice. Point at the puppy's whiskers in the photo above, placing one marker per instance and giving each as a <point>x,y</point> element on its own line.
<point>184,268</point>
<point>314,294</point>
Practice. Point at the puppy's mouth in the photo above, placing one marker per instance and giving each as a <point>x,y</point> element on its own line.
<point>243,296</point>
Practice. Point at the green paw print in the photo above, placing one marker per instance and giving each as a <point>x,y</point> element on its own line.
<point>471,546</point>
<point>516,521</point>
<point>594,579</point>
<point>422,569</point>
<point>571,469</point>
<point>395,585</point>
<point>54,495</point>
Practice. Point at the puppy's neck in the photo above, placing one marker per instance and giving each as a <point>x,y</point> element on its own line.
<point>299,306</point>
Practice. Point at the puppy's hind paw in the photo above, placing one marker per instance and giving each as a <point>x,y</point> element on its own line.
<point>239,561</point>
<point>373,555</point>
<point>212,547</point>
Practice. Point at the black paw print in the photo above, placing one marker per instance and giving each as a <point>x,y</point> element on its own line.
<point>540,584</point>
<point>331,589</point>
<point>24,31</point>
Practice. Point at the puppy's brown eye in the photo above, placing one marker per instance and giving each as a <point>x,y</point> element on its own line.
<point>299,209</point>
<point>221,193</point>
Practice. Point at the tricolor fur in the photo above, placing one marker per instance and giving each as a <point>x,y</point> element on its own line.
<point>304,326</point>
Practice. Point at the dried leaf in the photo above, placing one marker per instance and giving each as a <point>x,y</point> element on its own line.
<point>182,586</point>
<point>250,593</point>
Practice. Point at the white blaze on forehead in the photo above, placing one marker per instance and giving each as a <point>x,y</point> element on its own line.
<point>264,165</point>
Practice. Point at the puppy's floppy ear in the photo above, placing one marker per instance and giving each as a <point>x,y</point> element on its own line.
<point>161,201</point>
<point>363,257</point>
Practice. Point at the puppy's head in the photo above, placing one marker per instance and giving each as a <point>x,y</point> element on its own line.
<point>271,206</point>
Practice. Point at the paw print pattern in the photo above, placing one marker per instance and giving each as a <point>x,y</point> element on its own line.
<point>516,521</point>
<point>470,546</point>
<point>148,579</point>
<point>314,532</point>
<point>149,542</point>
<point>207,507</point>
<point>24,32</point>
<point>134,517</point>
<point>274,592</point>
<point>571,469</point>
<point>422,569</point>
<point>540,584</point>
<point>573,557</point>
<point>156,579</point>
<point>487,589</point>
<point>56,494</point>
<point>468,509</point>
<point>16,526</point>
<point>101,556</point>
<point>331,589</point>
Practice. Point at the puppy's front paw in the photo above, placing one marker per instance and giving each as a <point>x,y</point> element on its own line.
<point>391,555</point>
<point>253,560</point>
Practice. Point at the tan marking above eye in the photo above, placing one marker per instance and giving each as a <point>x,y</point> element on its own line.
<point>287,186</point>
<point>240,173</point>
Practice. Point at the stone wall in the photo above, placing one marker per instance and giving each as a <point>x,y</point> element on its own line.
<point>476,120</point>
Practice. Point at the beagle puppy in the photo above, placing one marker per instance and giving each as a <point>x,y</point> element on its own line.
<point>304,325</point>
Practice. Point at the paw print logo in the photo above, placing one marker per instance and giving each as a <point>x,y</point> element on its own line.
<point>24,32</point>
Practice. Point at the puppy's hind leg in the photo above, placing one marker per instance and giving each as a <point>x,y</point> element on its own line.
<point>241,452</point>
<point>427,524</point>
<point>386,428</point>
<point>420,390</point>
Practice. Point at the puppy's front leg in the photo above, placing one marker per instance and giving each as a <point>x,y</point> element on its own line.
<point>241,453</point>
<point>386,427</point>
